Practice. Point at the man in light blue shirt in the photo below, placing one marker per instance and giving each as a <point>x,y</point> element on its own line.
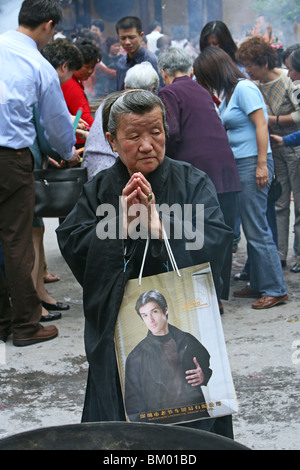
<point>29,78</point>
<point>26,79</point>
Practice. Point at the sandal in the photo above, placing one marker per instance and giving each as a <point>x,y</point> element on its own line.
<point>49,277</point>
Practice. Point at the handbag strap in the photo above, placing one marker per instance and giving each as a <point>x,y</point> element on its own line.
<point>169,251</point>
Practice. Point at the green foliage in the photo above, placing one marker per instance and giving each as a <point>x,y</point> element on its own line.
<point>283,11</point>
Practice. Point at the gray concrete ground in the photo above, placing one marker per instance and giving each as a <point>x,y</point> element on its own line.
<point>43,385</point>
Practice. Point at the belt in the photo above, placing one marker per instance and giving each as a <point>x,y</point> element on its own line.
<point>13,150</point>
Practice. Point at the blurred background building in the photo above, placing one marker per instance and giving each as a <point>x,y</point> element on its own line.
<point>283,17</point>
<point>239,15</point>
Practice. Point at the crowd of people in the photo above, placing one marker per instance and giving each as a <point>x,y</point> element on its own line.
<point>208,123</point>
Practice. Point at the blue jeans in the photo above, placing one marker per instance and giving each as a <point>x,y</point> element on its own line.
<point>265,267</point>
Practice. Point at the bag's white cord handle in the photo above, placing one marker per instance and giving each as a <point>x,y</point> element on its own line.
<point>143,262</point>
<point>169,251</point>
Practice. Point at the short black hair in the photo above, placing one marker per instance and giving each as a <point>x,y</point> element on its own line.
<point>295,59</point>
<point>288,51</point>
<point>154,24</point>
<point>89,50</point>
<point>99,24</point>
<point>35,12</point>
<point>61,51</point>
<point>128,22</point>
<point>151,296</point>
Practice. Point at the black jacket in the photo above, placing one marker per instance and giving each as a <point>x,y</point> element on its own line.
<point>98,264</point>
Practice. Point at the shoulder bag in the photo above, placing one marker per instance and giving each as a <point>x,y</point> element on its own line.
<point>57,190</point>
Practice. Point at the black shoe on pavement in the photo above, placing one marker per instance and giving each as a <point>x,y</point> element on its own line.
<point>296,268</point>
<point>52,316</point>
<point>56,306</point>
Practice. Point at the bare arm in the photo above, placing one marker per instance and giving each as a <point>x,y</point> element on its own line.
<point>284,120</point>
<point>262,139</point>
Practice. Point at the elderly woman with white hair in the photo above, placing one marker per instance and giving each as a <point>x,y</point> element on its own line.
<point>142,76</point>
<point>98,154</point>
<point>196,135</point>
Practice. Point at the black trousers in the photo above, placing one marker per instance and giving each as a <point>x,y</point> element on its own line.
<point>20,315</point>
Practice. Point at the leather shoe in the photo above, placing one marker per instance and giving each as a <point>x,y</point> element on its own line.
<point>296,268</point>
<point>45,333</point>
<point>268,302</point>
<point>246,293</point>
<point>51,316</point>
<point>56,306</point>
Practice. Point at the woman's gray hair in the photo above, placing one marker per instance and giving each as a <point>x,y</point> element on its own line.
<point>127,102</point>
<point>142,76</point>
<point>175,60</point>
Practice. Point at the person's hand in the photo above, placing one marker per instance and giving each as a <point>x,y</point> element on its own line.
<point>83,134</point>
<point>53,162</point>
<point>75,159</point>
<point>138,203</point>
<point>195,377</point>
<point>276,141</point>
<point>262,176</point>
<point>81,124</point>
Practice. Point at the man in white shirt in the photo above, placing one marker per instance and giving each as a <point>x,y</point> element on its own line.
<point>26,78</point>
<point>152,37</point>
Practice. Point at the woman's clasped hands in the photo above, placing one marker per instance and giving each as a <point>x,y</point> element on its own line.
<point>140,216</point>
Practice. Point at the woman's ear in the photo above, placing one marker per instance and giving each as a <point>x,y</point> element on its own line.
<point>111,141</point>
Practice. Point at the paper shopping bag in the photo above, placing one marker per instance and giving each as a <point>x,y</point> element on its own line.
<point>171,351</point>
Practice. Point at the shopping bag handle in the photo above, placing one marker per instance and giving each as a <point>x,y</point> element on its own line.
<point>169,251</point>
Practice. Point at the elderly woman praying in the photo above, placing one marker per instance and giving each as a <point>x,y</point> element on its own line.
<point>103,250</point>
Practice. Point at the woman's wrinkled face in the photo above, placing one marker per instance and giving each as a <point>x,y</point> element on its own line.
<point>140,141</point>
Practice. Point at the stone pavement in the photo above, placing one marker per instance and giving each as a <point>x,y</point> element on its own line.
<point>43,385</point>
